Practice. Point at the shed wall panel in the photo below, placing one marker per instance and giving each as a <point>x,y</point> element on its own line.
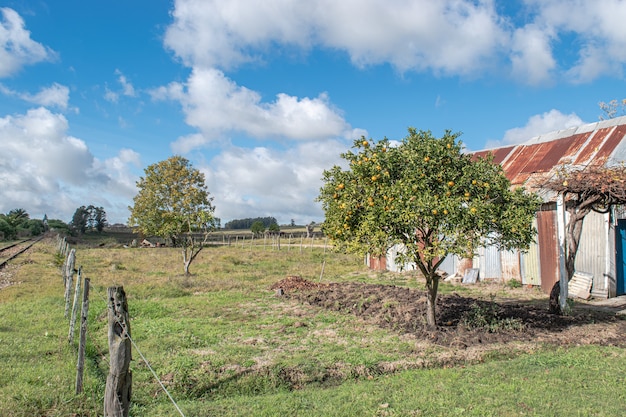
<point>530,263</point>
<point>490,265</point>
<point>510,264</point>
<point>592,250</point>
<point>548,244</point>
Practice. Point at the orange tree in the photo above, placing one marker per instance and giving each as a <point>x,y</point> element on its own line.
<point>173,202</point>
<point>427,196</point>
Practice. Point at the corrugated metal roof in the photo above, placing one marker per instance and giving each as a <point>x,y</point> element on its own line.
<point>531,163</point>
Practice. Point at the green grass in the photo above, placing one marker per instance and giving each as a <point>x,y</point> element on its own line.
<point>225,345</point>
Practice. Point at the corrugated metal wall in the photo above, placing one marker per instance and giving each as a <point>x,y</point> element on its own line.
<point>530,263</point>
<point>489,263</point>
<point>548,242</point>
<point>450,264</point>
<point>592,251</point>
<point>510,261</point>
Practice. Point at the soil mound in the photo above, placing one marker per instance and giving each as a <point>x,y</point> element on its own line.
<point>462,321</point>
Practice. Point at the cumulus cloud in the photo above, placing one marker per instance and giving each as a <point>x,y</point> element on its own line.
<point>47,171</point>
<point>56,95</point>
<point>16,47</point>
<point>538,124</point>
<point>215,104</point>
<point>598,34</point>
<point>268,182</point>
<point>531,55</point>
<point>446,36</point>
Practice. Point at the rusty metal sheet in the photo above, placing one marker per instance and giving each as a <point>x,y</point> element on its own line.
<point>548,254</point>
<point>558,152</point>
<point>609,145</point>
<point>511,266</point>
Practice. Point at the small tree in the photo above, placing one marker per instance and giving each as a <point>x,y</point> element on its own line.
<point>80,220</point>
<point>584,190</point>
<point>257,228</point>
<point>97,218</point>
<point>427,196</point>
<point>173,202</point>
<point>17,217</point>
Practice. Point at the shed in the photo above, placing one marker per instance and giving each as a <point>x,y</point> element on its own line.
<point>602,251</point>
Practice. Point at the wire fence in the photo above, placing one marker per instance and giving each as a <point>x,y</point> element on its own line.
<point>118,386</point>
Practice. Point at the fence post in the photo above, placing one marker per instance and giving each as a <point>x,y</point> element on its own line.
<point>70,336</point>
<point>69,276</point>
<point>119,380</point>
<point>80,365</point>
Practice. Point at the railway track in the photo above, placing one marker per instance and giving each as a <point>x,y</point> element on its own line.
<point>10,252</point>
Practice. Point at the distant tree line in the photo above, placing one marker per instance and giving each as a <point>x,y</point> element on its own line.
<point>17,223</point>
<point>267,222</point>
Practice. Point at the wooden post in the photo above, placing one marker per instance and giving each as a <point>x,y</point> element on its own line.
<point>70,336</point>
<point>69,276</point>
<point>80,365</point>
<point>560,223</point>
<point>119,380</point>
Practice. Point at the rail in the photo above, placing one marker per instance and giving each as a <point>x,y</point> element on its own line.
<point>8,253</point>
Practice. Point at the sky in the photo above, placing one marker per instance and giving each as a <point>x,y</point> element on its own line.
<point>262,97</point>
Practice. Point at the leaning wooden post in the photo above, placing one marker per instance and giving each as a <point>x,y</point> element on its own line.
<point>80,365</point>
<point>119,380</point>
<point>69,276</point>
<point>70,336</point>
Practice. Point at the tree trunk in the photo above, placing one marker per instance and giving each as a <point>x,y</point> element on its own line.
<point>573,231</point>
<point>554,306</point>
<point>432,283</point>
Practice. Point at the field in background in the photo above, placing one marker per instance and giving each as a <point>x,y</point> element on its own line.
<point>224,344</point>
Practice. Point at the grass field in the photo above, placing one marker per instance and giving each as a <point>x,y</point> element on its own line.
<point>224,345</point>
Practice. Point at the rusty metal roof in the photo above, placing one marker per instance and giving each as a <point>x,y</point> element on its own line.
<point>529,164</point>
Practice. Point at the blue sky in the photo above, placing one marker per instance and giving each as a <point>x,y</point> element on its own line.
<point>263,96</point>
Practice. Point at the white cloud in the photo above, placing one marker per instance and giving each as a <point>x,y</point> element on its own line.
<point>111,96</point>
<point>598,34</point>
<point>448,37</point>
<point>127,89</point>
<point>538,124</point>
<point>16,47</point>
<point>46,171</point>
<point>56,95</point>
<point>531,55</point>
<point>215,104</point>
<point>453,36</point>
<point>266,182</point>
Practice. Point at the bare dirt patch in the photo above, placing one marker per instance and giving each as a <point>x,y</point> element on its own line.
<point>463,322</point>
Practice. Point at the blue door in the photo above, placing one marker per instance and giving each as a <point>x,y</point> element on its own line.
<point>620,258</point>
